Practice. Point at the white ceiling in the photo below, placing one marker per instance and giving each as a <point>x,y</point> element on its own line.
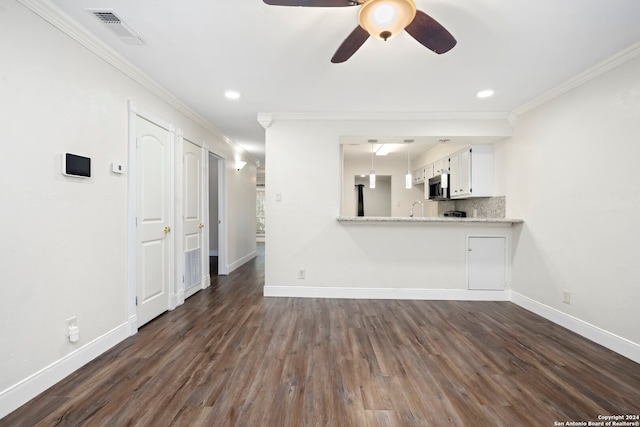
<point>279,57</point>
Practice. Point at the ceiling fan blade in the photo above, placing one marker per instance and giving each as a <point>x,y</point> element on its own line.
<point>430,33</point>
<point>350,45</point>
<point>312,3</point>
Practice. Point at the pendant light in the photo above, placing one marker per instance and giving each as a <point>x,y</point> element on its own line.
<point>408,178</point>
<point>372,173</point>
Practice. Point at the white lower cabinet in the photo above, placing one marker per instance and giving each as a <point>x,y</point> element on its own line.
<point>487,263</point>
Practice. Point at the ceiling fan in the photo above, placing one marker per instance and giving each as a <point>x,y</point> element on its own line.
<point>383,19</point>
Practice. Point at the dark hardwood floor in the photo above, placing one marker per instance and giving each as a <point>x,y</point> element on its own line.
<point>229,357</point>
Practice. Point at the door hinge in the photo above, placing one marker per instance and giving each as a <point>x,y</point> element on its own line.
<point>136,221</point>
<point>183,278</point>
<point>136,301</point>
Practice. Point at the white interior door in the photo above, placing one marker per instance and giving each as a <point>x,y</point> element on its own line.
<point>192,218</point>
<point>153,220</point>
<point>217,200</point>
<point>486,262</point>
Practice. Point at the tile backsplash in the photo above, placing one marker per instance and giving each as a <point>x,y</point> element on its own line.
<point>487,207</point>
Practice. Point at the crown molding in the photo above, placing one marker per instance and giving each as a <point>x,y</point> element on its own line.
<point>63,22</point>
<point>602,67</point>
<point>266,119</point>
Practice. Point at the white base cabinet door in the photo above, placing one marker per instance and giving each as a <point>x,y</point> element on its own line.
<point>486,262</point>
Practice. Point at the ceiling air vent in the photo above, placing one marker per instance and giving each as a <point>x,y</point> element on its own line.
<point>121,29</point>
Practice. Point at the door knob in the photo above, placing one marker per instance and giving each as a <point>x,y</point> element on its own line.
<point>167,229</point>
<point>201,226</point>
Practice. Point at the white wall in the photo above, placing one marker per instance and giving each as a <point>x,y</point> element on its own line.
<point>377,200</point>
<point>305,167</point>
<point>401,197</point>
<point>571,171</point>
<point>241,214</point>
<point>214,204</point>
<point>64,240</point>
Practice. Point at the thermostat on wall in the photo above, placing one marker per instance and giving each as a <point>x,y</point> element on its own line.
<point>76,166</point>
<point>117,167</point>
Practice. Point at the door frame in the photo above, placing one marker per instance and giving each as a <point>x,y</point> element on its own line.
<point>205,280</point>
<point>223,267</point>
<point>133,114</point>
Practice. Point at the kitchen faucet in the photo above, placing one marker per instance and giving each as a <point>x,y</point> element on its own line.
<point>417,202</point>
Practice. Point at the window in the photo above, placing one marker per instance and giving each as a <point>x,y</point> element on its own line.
<point>260,226</point>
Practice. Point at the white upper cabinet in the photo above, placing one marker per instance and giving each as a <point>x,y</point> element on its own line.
<point>441,166</point>
<point>428,171</point>
<point>471,172</point>
<point>454,175</point>
<point>418,176</point>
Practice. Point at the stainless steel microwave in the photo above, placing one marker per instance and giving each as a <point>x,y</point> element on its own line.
<point>439,187</point>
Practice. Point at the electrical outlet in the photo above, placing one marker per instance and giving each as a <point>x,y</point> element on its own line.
<point>566,296</point>
<point>301,273</point>
<point>72,321</point>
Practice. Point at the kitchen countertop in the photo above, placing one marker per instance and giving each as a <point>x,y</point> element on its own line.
<point>395,219</point>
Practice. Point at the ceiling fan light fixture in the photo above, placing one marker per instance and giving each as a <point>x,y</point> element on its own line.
<point>385,19</point>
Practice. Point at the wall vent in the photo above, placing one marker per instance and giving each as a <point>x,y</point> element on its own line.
<point>119,27</point>
<point>192,268</point>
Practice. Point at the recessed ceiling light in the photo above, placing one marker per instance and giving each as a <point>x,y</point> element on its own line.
<point>232,94</point>
<point>485,93</point>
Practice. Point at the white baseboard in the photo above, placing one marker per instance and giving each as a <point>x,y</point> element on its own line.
<point>385,293</point>
<point>177,300</point>
<point>239,263</point>
<point>606,339</point>
<point>19,394</point>
<point>133,324</point>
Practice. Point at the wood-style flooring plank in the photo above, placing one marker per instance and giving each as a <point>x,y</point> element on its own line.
<point>230,357</point>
